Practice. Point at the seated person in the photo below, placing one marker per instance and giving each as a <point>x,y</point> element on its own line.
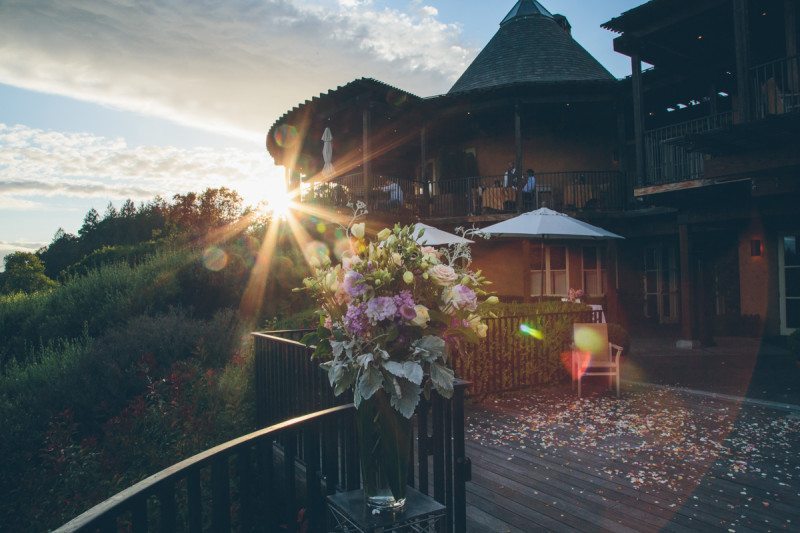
<point>395,194</point>
<point>529,190</point>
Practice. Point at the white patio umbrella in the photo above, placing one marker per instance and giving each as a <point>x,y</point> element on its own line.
<point>436,237</point>
<point>544,224</point>
<point>327,152</point>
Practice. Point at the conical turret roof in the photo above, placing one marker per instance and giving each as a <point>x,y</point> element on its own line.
<point>530,47</point>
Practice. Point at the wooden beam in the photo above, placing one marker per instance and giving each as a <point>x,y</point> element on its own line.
<point>741,30</point>
<point>366,155</point>
<point>687,326</point>
<point>518,152</point>
<point>424,178</point>
<point>638,116</point>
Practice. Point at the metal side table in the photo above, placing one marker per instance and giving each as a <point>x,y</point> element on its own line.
<point>348,513</point>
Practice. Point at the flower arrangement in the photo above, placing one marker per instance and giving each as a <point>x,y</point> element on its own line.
<point>575,295</point>
<point>389,312</point>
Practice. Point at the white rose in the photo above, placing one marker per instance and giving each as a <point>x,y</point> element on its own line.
<point>443,275</point>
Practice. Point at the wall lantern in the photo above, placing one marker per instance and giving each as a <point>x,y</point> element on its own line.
<point>756,248</point>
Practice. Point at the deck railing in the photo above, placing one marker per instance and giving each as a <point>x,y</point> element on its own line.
<point>776,87</point>
<point>668,158</point>
<point>253,483</point>
<point>289,382</point>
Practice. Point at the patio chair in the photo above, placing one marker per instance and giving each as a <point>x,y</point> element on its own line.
<point>593,355</point>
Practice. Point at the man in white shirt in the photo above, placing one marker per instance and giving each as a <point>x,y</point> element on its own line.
<point>395,194</point>
<point>510,176</point>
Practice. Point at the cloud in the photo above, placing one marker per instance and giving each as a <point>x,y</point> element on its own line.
<point>36,164</point>
<point>231,66</point>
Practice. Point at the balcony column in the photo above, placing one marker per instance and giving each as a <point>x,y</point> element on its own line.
<point>638,116</point>
<point>518,152</point>
<point>366,156</point>
<point>423,173</point>
<point>741,32</point>
<point>526,271</point>
<point>687,297</point>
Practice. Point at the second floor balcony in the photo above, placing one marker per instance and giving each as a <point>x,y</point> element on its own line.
<point>473,198</point>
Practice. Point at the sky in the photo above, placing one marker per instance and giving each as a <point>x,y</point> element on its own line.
<point>104,100</point>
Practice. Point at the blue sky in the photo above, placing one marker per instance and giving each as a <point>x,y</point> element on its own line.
<point>105,100</point>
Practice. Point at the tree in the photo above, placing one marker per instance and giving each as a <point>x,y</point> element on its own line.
<point>25,273</point>
<point>90,222</point>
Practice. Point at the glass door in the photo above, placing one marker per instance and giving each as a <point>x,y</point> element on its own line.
<point>789,265</point>
<point>661,292</point>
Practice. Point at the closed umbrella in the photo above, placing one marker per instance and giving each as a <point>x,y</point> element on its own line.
<point>327,152</point>
<point>547,224</point>
<point>436,237</point>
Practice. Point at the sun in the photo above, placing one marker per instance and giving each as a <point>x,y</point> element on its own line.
<point>267,197</point>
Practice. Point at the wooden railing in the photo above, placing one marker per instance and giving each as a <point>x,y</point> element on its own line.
<point>668,158</point>
<point>776,87</point>
<point>476,195</point>
<point>247,484</point>
<point>289,382</point>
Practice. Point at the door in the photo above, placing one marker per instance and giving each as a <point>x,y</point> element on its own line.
<point>661,292</point>
<point>789,282</point>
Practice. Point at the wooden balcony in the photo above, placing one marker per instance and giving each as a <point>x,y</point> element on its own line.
<point>472,198</point>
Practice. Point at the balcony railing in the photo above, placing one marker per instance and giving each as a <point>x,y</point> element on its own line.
<point>776,87</point>
<point>475,196</point>
<point>668,158</point>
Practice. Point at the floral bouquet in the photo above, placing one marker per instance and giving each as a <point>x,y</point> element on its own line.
<point>389,313</point>
<point>575,295</point>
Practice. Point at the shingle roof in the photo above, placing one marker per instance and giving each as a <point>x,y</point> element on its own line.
<point>530,47</point>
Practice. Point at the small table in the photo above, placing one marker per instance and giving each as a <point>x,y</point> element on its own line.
<point>349,513</point>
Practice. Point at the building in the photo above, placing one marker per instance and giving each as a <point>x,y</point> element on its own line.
<point>692,160</point>
<point>717,156</point>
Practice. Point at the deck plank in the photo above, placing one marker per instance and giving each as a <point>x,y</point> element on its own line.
<point>521,484</point>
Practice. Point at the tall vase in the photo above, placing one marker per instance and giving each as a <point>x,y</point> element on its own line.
<point>384,444</point>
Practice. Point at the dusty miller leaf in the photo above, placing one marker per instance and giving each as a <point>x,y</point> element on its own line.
<point>370,381</point>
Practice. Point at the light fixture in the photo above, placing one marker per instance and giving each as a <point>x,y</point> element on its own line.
<point>699,37</point>
<point>756,248</point>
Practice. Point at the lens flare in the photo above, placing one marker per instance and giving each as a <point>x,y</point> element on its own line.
<point>589,340</point>
<point>316,252</point>
<point>285,135</point>
<point>215,259</point>
<point>340,247</point>
<point>531,331</point>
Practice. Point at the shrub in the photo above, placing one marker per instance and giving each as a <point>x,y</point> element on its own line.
<point>620,336</point>
<point>793,343</point>
<point>87,417</point>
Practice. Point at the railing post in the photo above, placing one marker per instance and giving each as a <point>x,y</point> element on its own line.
<point>462,465</point>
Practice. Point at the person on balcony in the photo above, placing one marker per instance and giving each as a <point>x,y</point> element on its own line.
<point>529,191</point>
<point>510,177</point>
<point>395,193</point>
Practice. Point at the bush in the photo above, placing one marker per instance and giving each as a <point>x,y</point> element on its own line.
<point>537,308</point>
<point>88,417</point>
<point>620,336</point>
<point>793,343</point>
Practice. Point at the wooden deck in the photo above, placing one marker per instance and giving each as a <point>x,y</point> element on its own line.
<point>655,461</point>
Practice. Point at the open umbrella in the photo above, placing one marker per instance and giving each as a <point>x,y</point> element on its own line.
<point>436,237</point>
<point>327,152</point>
<point>546,224</point>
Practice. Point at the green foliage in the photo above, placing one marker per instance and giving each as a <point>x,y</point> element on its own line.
<point>24,272</point>
<point>131,254</point>
<point>90,417</point>
<point>509,358</point>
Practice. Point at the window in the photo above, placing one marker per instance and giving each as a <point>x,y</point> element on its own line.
<point>554,264</point>
<point>789,260</point>
<point>594,270</point>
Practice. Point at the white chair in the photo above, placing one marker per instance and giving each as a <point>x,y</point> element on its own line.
<point>593,355</point>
